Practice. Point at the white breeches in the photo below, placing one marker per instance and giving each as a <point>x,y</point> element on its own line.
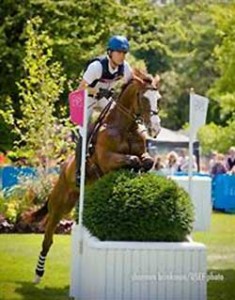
<point>93,103</point>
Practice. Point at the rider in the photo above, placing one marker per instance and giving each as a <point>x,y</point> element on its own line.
<point>100,77</point>
<point>103,72</point>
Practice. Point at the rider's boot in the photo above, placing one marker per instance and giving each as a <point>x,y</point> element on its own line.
<point>78,157</point>
<point>78,154</point>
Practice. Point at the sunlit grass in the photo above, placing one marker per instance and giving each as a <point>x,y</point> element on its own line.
<point>220,242</point>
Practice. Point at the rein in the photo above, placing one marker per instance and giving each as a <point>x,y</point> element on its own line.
<point>135,116</point>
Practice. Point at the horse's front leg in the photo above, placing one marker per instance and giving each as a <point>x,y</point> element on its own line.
<point>109,160</point>
<point>147,161</point>
<point>138,148</point>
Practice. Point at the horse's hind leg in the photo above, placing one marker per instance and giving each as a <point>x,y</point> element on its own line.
<point>52,222</point>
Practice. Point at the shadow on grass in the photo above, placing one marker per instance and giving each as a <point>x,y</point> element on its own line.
<point>30,291</point>
<point>221,284</point>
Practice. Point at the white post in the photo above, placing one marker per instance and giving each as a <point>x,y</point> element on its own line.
<point>197,118</point>
<point>191,139</point>
<point>83,132</point>
<point>78,115</point>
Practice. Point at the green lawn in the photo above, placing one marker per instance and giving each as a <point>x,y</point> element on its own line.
<point>18,256</point>
<point>220,242</point>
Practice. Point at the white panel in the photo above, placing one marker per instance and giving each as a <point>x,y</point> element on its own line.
<point>136,271</point>
<point>98,273</point>
<point>186,269</point>
<point>127,274</point>
<point>170,272</point>
<point>150,272</point>
<point>178,269</point>
<point>161,274</point>
<point>201,199</point>
<point>110,274</point>
<point>144,282</point>
<point>118,271</point>
<point>153,271</point>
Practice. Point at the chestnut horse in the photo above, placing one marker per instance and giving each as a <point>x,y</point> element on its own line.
<point>119,143</point>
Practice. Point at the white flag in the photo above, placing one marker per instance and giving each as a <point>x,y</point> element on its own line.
<point>198,112</point>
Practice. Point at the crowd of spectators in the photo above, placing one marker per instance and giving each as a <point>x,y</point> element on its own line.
<point>222,164</point>
<point>175,162</point>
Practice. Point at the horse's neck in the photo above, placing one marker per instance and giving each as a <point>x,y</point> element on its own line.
<point>122,114</point>
<point>128,97</point>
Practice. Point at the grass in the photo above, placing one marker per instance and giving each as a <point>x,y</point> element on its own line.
<point>18,257</point>
<point>220,244</point>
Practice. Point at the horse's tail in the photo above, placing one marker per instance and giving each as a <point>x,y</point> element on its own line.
<point>37,215</point>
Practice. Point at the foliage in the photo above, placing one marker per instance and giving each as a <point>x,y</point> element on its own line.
<point>39,129</point>
<point>190,43</point>
<point>125,206</point>
<point>212,136</point>
<point>215,137</point>
<point>28,194</point>
<point>6,124</point>
<point>223,88</point>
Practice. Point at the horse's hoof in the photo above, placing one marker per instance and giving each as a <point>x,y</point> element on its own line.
<point>37,279</point>
<point>147,164</point>
<point>134,162</point>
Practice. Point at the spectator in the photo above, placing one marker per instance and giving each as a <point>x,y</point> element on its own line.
<point>184,167</point>
<point>182,157</point>
<point>230,163</point>
<point>212,160</point>
<point>158,166</point>
<point>219,165</point>
<point>232,171</point>
<point>172,165</point>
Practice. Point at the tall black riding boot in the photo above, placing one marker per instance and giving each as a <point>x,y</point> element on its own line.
<point>78,156</point>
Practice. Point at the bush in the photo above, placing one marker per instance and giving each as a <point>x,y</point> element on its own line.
<point>124,206</point>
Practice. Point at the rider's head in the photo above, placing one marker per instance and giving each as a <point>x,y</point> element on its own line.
<point>117,48</point>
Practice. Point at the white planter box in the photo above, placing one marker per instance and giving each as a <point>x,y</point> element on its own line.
<point>201,199</point>
<point>137,270</point>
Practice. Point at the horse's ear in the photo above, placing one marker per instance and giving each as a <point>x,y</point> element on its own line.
<point>138,79</point>
<point>156,81</point>
<point>140,76</point>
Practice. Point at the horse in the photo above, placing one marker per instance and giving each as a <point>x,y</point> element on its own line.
<point>120,143</point>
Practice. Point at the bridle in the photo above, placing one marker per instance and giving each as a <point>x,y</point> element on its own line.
<point>137,116</point>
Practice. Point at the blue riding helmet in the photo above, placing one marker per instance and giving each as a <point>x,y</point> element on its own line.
<point>118,43</point>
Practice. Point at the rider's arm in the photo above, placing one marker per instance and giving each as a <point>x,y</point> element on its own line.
<point>83,85</point>
<point>92,73</point>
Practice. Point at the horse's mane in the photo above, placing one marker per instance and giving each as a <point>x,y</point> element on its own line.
<point>141,77</point>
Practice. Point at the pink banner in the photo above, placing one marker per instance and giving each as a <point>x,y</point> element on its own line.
<point>76,106</point>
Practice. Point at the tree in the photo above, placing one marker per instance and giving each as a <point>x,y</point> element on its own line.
<point>39,129</point>
<point>223,89</point>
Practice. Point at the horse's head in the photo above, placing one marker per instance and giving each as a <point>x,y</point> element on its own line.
<point>147,100</point>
